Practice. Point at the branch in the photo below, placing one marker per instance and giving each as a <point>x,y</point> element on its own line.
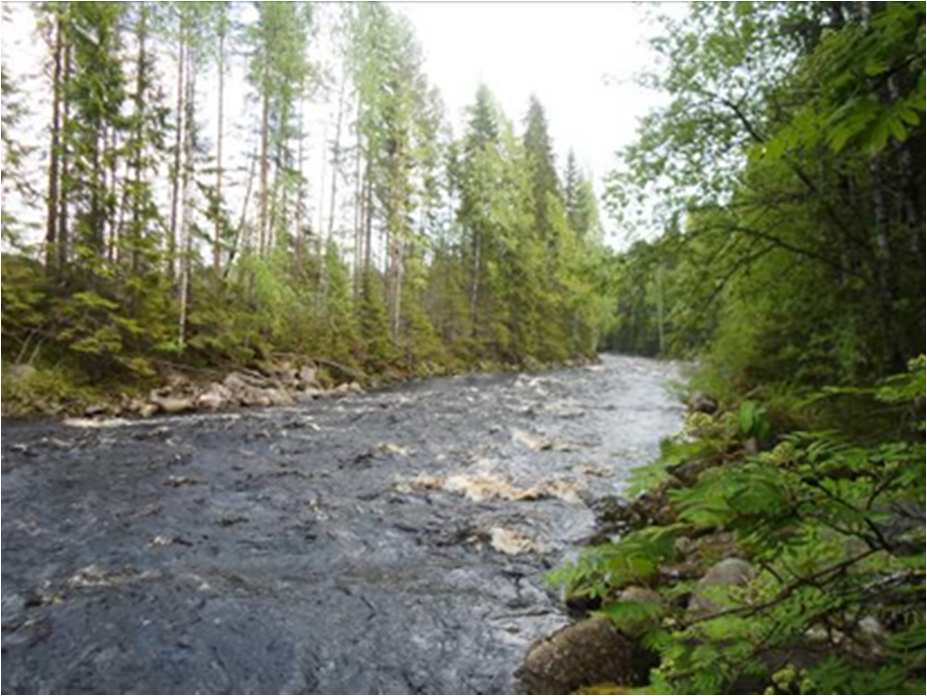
<point>786,592</point>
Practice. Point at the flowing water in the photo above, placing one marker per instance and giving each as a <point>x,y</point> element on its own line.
<point>391,542</point>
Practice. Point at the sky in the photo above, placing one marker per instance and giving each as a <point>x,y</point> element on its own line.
<point>579,58</point>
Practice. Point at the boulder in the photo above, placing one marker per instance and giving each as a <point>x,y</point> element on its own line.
<point>178,383</point>
<point>286,374</point>
<point>250,396</point>
<point>98,409</point>
<point>616,515</point>
<point>702,403</point>
<point>689,471</point>
<point>731,572</point>
<point>155,394</point>
<point>174,404</point>
<point>215,397</point>
<point>645,596</point>
<point>309,394</point>
<point>135,405</point>
<point>148,410</point>
<point>234,382</point>
<point>308,377</point>
<point>279,397</point>
<point>579,655</point>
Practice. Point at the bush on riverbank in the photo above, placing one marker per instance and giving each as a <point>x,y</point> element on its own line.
<point>831,523</point>
<point>88,340</point>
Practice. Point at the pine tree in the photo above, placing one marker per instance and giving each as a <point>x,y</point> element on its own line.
<point>544,179</point>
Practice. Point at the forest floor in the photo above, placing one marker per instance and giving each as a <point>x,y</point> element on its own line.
<point>390,542</point>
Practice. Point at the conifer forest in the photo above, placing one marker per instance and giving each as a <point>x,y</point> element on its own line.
<point>413,401</point>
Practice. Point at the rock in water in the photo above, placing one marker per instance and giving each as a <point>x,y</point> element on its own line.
<point>582,654</point>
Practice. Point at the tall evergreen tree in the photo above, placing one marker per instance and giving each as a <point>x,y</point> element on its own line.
<point>541,162</point>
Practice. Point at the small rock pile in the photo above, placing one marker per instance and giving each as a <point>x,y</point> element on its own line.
<point>277,384</point>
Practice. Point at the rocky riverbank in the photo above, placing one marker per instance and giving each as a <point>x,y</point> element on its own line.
<point>285,382</point>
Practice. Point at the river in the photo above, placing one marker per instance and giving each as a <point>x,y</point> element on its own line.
<point>390,542</point>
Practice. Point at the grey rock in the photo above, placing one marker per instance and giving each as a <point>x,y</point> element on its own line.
<point>731,572</point>
<point>308,377</point>
<point>174,404</point>
<point>689,471</point>
<point>214,398</point>
<point>148,410</point>
<point>234,382</point>
<point>702,403</point>
<point>581,654</point>
<point>96,410</point>
<point>279,397</point>
<point>641,595</point>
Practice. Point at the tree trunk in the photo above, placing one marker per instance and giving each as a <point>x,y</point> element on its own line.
<point>301,163</point>
<point>51,231</point>
<point>217,239</point>
<point>475,282</point>
<point>358,212</point>
<point>113,251</point>
<point>62,222</point>
<point>368,219</point>
<point>322,172</point>
<point>242,218</point>
<point>186,236</point>
<point>175,180</point>
<point>97,183</point>
<point>139,136</point>
<point>265,127</point>
<point>336,156</point>
<point>396,290</point>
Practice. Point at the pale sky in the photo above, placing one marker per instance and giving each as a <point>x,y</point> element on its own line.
<point>579,58</point>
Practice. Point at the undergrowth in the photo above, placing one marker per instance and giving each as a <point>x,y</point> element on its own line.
<point>832,522</point>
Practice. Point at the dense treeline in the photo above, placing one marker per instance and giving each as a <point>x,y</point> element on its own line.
<point>171,237</point>
<point>789,167</point>
<point>788,173</point>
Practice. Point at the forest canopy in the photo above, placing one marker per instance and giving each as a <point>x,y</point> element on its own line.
<point>170,238</point>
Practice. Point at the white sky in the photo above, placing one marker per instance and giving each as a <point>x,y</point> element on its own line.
<point>579,58</point>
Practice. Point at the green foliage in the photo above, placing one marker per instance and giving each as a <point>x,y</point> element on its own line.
<point>753,421</point>
<point>51,387</point>
<point>834,528</point>
<point>634,560</point>
<point>789,209</point>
